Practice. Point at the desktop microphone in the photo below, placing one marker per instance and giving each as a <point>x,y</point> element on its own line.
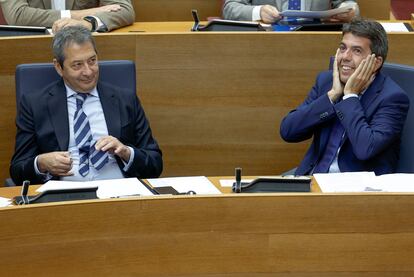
<point>237,185</point>
<point>25,190</point>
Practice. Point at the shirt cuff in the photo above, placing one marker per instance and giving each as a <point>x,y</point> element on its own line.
<point>131,159</point>
<point>349,96</point>
<point>65,14</point>
<point>45,176</point>
<point>100,27</point>
<point>256,13</point>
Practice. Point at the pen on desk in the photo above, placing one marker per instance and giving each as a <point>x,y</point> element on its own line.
<point>136,31</point>
<point>126,196</point>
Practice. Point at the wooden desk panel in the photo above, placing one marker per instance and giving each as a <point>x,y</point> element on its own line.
<point>226,235</point>
<point>177,10</point>
<point>180,10</point>
<point>214,101</point>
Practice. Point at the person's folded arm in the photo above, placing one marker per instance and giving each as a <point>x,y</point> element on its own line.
<point>238,10</point>
<point>114,20</point>
<point>18,12</point>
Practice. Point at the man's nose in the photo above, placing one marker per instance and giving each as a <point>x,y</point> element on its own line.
<point>347,54</point>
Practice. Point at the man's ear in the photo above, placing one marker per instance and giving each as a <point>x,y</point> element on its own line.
<point>58,68</point>
<point>378,63</point>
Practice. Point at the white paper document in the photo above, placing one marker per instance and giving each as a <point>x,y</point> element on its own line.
<point>315,14</point>
<point>106,188</point>
<point>365,182</point>
<point>229,182</point>
<point>198,184</point>
<point>4,202</point>
<point>394,27</point>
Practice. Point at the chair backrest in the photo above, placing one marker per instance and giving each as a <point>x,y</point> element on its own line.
<point>403,75</point>
<point>36,76</point>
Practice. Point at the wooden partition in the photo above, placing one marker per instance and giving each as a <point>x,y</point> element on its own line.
<point>179,10</point>
<point>224,235</point>
<point>215,101</point>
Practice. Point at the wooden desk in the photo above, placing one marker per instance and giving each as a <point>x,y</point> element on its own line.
<point>309,234</point>
<point>214,100</point>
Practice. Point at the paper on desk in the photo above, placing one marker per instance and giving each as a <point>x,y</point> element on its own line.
<point>198,184</point>
<point>315,14</point>
<point>4,202</point>
<point>365,182</point>
<point>106,188</point>
<point>398,182</point>
<point>345,182</point>
<point>394,27</point>
<point>229,182</point>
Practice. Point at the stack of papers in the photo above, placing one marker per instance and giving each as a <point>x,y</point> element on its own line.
<point>365,182</point>
<point>106,188</point>
<point>315,14</point>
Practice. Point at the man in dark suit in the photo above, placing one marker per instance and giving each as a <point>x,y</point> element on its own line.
<point>80,128</point>
<point>354,113</point>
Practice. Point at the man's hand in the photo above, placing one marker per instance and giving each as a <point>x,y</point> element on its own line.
<point>362,77</point>
<point>61,23</point>
<point>337,87</point>
<point>269,14</point>
<point>343,17</point>
<point>114,146</point>
<point>55,163</point>
<point>79,14</point>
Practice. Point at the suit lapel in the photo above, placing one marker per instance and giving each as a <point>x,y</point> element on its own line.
<point>372,92</point>
<point>58,113</point>
<point>110,107</point>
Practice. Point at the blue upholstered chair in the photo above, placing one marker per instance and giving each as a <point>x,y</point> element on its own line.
<point>36,76</point>
<point>403,75</point>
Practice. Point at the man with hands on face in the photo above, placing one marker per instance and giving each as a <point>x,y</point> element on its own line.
<point>81,128</point>
<point>268,11</point>
<point>96,15</point>
<point>354,113</point>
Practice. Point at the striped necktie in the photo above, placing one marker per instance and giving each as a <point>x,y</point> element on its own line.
<point>83,139</point>
<point>294,5</point>
<point>331,149</point>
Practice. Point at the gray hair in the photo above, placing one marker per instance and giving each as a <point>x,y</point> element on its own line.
<point>66,36</point>
<point>371,30</point>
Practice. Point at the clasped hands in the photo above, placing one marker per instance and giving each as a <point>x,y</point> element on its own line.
<point>59,163</point>
<point>78,15</point>
<point>357,82</point>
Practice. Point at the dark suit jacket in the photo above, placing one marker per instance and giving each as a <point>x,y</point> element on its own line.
<point>373,125</point>
<point>43,126</point>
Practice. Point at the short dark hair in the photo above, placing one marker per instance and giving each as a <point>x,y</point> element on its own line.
<point>66,36</point>
<point>371,30</point>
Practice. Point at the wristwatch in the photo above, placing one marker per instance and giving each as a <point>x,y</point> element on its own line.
<point>93,21</point>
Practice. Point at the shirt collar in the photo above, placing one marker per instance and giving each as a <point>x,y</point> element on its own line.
<point>70,92</point>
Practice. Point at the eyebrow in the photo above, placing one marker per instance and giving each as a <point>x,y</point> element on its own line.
<point>91,57</point>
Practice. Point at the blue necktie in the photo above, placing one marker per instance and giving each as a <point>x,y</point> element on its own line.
<point>83,139</point>
<point>335,139</point>
<point>294,5</point>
